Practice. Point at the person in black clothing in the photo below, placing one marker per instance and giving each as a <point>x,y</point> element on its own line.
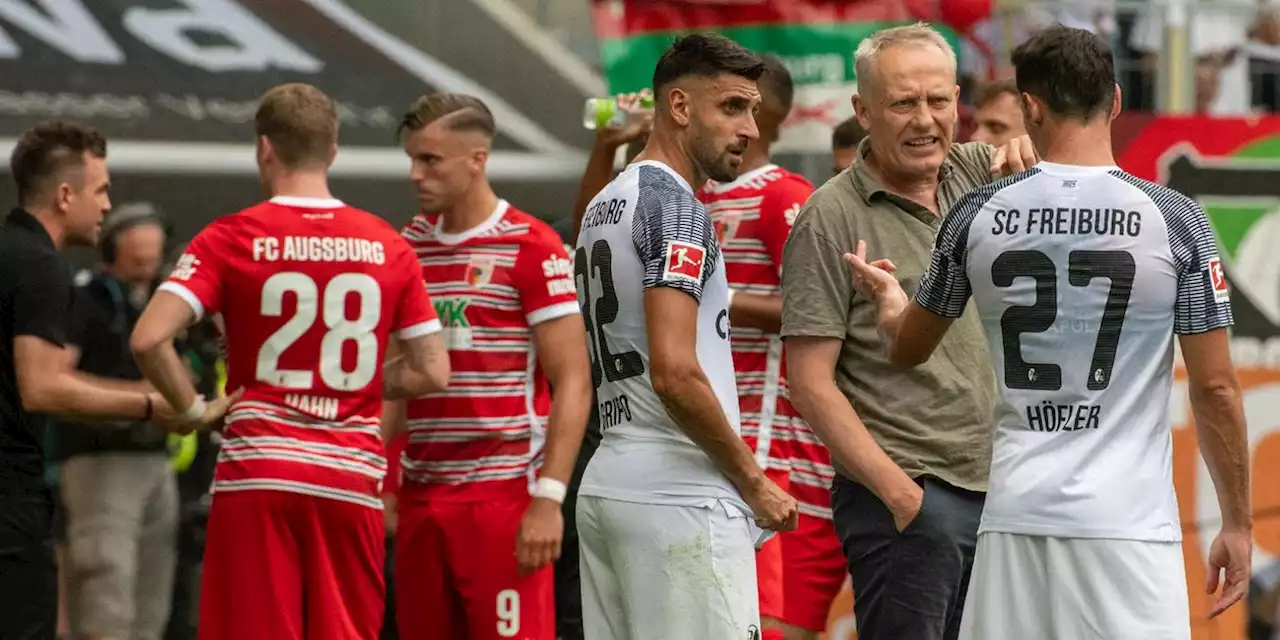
<point>62,183</point>
<point>117,483</point>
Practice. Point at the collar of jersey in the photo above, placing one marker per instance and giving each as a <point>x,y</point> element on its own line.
<point>1073,169</point>
<point>721,187</point>
<point>307,203</point>
<point>664,167</point>
<point>476,231</point>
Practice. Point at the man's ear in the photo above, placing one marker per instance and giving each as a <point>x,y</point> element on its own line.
<point>860,112</point>
<point>680,105</point>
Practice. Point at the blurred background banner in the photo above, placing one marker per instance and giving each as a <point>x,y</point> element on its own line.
<point>814,38</point>
<point>174,85</point>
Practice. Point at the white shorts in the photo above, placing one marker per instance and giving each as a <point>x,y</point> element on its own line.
<point>663,571</point>
<point>1075,589</point>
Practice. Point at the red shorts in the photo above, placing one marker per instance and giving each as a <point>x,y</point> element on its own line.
<point>816,572</point>
<point>286,566</point>
<point>769,562</point>
<point>456,574</point>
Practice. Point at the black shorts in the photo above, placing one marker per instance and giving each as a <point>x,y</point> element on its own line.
<point>28,568</point>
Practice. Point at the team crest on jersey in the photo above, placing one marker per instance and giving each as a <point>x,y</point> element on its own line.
<point>727,228</point>
<point>1218,280</point>
<point>684,261</point>
<point>480,271</point>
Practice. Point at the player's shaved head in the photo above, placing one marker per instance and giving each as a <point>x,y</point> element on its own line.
<point>301,123</point>
<point>777,90</point>
<point>453,111</point>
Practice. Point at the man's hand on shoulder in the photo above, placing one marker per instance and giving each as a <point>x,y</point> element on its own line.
<point>1017,155</point>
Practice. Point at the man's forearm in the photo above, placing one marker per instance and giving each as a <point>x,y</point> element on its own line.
<point>400,381</point>
<point>756,311</point>
<point>566,425</point>
<point>692,403</point>
<point>117,384</point>
<point>834,421</point>
<point>394,419</point>
<point>595,177</point>
<point>165,371</point>
<point>1220,429</point>
<point>889,311</point>
<point>82,400</point>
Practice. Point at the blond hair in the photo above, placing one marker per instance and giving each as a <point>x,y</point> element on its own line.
<point>918,34</point>
<point>301,122</point>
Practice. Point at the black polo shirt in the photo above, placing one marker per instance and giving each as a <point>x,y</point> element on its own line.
<point>35,300</point>
<point>103,320</point>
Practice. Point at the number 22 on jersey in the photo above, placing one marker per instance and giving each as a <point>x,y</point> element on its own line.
<point>331,308</point>
<point>596,315</point>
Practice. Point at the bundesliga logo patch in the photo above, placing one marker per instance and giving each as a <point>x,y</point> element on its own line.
<point>684,261</point>
<point>1218,281</point>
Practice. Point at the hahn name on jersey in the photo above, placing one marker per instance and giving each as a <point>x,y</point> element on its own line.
<point>308,293</point>
<point>1082,276</point>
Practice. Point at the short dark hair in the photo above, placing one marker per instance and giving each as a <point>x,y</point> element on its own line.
<point>465,113</point>
<point>991,91</point>
<point>301,122</point>
<point>1071,70</point>
<point>50,148</point>
<point>776,82</point>
<point>847,134</point>
<point>705,55</point>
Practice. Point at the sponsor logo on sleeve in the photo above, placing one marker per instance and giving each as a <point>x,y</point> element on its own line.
<point>186,267</point>
<point>1218,281</point>
<point>559,274</point>
<point>684,261</point>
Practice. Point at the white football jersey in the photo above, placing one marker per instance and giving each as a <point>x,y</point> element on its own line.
<point>1081,275</point>
<point>646,229</point>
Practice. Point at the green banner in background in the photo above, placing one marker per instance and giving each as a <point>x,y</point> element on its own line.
<point>815,40</point>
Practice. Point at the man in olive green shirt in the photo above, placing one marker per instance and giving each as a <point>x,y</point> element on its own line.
<point>911,448</point>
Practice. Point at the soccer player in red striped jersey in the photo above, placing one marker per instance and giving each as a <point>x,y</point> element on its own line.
<point>310,292</point>
<point>753,216</point>
<point>480,503</point>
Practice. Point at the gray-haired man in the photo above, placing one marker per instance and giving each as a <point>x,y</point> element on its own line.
<point>911,449</point>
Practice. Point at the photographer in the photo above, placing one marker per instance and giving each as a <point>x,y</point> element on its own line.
<point>117,483</point>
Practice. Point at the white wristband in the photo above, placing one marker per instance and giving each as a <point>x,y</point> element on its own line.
<point>551,489</point>
<point>194,412</point>
<point>730,302</point>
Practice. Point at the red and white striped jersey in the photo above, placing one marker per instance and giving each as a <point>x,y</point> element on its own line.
<point>480,438</point>
<point>753,216</point>
<point>308,292</point>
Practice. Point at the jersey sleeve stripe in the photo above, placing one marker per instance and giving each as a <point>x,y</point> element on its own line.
<point>186,294</point>
<point>1192,245</point>
<point>665,212</point>
<point>552,312</point>
<point>418,330</point>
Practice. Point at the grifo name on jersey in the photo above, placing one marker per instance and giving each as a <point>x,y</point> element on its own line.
<point>318,249</point>
<point>559,274</point>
